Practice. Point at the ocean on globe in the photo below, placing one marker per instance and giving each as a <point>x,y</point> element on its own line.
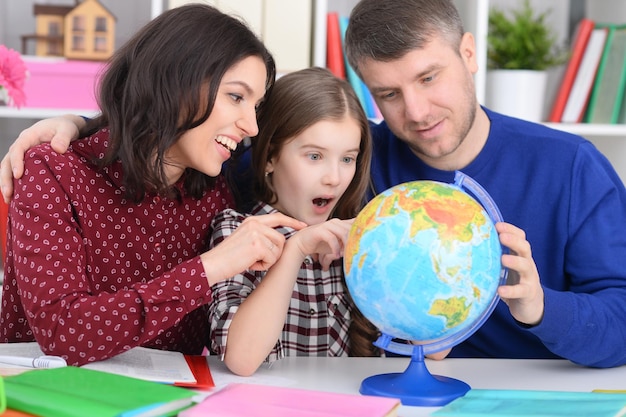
<point>423,263</point>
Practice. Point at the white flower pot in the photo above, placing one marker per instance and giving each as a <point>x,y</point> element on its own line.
<point>517,93</point>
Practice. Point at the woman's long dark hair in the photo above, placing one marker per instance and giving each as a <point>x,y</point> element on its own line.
<point>162,83</point>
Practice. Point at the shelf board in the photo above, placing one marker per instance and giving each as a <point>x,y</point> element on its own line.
<point>41,113</point>
<point>589,129</point>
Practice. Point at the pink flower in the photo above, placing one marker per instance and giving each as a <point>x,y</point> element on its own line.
<point>12,75</point>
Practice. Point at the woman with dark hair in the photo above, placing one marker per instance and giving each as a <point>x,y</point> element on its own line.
<point>103,240</point>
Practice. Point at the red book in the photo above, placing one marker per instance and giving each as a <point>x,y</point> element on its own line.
<point>200,369</point>
<point>583,32</point>
<point>334,51</point>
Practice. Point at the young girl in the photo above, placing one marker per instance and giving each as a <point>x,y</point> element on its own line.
<point>310,161</point>
<point>104,240</point>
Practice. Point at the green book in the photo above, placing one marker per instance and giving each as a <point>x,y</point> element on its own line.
<point>78,392</point>
<point>522,403</point>
<point>606,98</point>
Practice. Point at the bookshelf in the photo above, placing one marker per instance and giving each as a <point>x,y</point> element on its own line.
<point>592,130</point>
<point>475,15</point>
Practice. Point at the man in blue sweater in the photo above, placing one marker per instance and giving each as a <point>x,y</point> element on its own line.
<point>563,203</point>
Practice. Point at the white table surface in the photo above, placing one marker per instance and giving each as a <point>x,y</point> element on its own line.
<point>344,375</point>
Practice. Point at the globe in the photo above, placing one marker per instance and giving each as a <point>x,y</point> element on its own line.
<point>423,263</point>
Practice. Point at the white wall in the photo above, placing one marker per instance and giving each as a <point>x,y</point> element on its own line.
<point>558,13</point>
<point>606,11</point>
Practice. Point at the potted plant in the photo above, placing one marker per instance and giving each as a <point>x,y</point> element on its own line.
<point>521,47</point>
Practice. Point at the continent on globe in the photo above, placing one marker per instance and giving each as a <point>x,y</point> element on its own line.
<point>454,309</point>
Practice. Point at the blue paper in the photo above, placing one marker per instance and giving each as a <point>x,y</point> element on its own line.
<point>521,403</point>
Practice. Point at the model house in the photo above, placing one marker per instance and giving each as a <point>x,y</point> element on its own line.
<point>85,31</point>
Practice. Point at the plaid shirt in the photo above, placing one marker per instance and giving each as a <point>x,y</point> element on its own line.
<point>319,313</point>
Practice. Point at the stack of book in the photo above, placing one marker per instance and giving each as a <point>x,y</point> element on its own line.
<point>594,83</point>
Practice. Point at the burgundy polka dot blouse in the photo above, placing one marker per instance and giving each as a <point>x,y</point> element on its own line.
<point>89,274</point>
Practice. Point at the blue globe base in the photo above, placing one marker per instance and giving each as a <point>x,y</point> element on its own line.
<point>415,386</point>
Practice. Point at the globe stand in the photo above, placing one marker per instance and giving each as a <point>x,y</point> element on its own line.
<point>416,385</point>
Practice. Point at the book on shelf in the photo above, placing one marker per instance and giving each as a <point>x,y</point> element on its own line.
<point>577,49</point>
<point>334,51</point>
<point>320,20</point>
<point>359,87</point>
<point>351,75</point>
<point>619,112</point>
<point>156,365</point>
<point>253,400</point>
<point>522,403</point>
<point>77,392</point>
<point>578,98</point>
<point>621,118</point>
<point>606,98</point>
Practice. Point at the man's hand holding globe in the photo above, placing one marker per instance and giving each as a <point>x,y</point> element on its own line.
<point>525,300</point>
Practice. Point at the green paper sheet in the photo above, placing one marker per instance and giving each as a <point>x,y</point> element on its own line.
<point>79,392</point>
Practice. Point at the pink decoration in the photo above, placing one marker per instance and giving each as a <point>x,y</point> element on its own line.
<point>12,75</point>
<point>61,83</point>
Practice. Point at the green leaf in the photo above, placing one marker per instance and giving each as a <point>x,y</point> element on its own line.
<point>522,41</point>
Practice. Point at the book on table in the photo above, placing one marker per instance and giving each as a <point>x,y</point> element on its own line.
<point>523,403</point>
<point>144,363</point>
<point>252,400</point>
<point>78,392</point>
<point>160,366</point>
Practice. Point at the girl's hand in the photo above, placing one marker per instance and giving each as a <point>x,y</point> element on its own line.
<point>324,241</point>
<point>524,298</point>
<point>254,245</point>
<point>58,131</point>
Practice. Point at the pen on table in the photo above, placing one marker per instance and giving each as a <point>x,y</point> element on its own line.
<point>45,361</point>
